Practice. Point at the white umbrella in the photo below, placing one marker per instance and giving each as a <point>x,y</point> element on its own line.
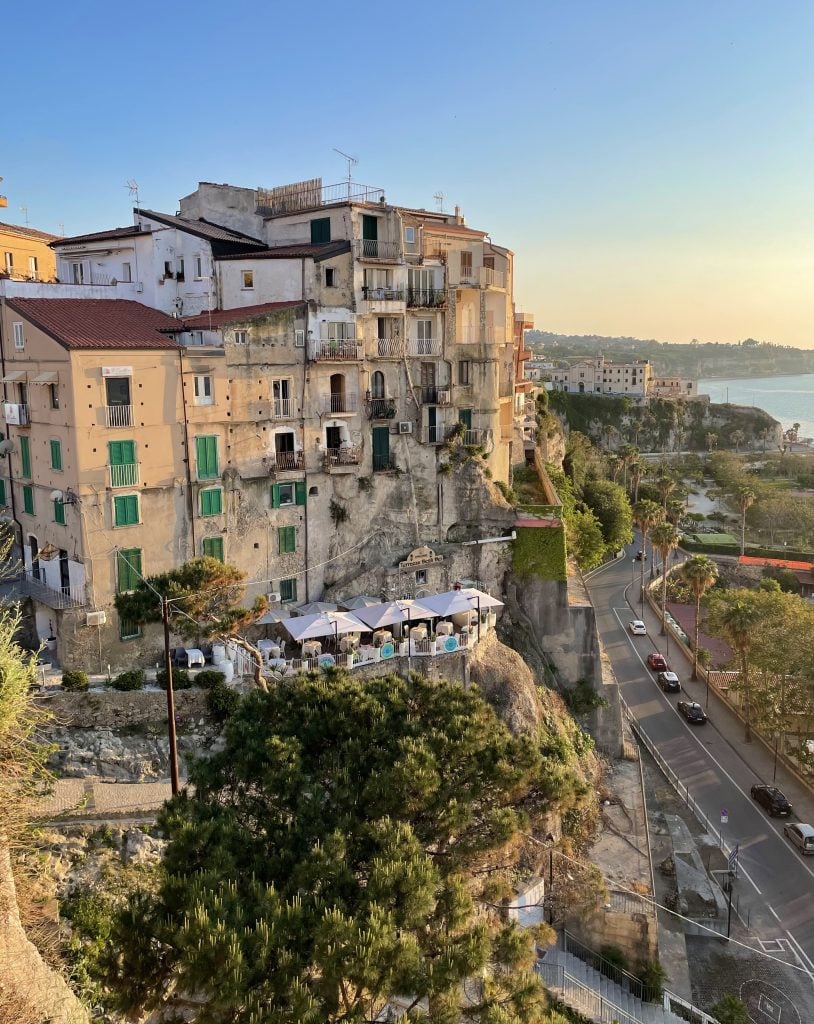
<point>391,612</point>
<point>304,627</point>
<point>362,601</point>
<point>453,602</point>
<point>280,615</point>
<point>480,597</point>
<point>315,608</point>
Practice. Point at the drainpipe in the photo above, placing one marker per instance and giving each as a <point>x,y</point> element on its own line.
<point>190,497</point>
<point>490,540</point>
<point>14,518</point>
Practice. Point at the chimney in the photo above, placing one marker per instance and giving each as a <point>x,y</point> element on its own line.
<point>458,217</point>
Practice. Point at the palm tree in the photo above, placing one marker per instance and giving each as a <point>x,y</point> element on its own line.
<point>614,464</point>
<point>635,429</point>
<point>665,539</point>
<point>635,478</point>
<point>609,431</point>
<point>745,498</point>
<point>712,440</point>
<point>737,621</point>
<point>699,573</point>
<point>627,453</point>
<point>645,515</point>
<point>665,486</point>
<point>737,438</point>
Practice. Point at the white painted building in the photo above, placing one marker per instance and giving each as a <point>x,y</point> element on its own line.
<point>672,387</point>
<point>601,377</point>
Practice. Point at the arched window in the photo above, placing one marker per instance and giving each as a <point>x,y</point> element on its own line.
<point>377,385</point>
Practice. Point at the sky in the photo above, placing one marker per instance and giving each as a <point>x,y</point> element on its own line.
<point>649,162</point>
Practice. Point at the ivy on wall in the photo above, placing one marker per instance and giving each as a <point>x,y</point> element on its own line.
<point>540,551</point>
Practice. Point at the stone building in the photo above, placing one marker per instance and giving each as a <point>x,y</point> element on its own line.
<point>601,377</point>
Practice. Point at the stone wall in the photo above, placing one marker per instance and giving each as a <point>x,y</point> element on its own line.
<point>116,710</point>
<point>634,932</point>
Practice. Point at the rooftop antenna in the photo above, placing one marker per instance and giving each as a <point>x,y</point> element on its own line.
<point>352,162</point>
<point>132,187</point>
<point>24,209</point>
<point>439,198</point>
<point>61,226</point>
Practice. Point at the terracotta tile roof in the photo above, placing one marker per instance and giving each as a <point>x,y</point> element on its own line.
<point>20,229</point>
<point>303,250</point>
<point>98,323</point>
<point>452,229</point>
<point>101,236</point>
<point>203,228</point>
<point>222,317</point>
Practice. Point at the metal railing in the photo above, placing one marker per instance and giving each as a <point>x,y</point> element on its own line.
<point>382,463</point>
<point>424,346</point>
<point>126,475</point>
<point>338,350</point>
<point>371,294</point>
<point>54,597</point>
<point>337,402</point>
<point>471,335</point>
<point>349,455</point>
<point>490,278</point>
<point>433,435</point>
<point>618,975</point>
<point>381,408</point>
<point>375,249</point>
<point>433,395</point>
<point>467,276</point>
<point>474,437</point>
<point>285,461</point>
<point>119,415</point>
<point>581,997</point>
<point>388,348</point>
<point>311,194</point>
<point>282,408</point>
<point>426,298</point>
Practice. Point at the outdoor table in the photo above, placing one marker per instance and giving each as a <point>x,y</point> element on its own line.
<point>418,633</point>
<point>194,657</point>
<point>269,648</point>
<point>348,643</point>
<point>444,629</point>
<point>311,649</point>
<point>382,636</point>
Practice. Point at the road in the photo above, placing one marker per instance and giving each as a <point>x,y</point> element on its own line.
<point>715,762</point>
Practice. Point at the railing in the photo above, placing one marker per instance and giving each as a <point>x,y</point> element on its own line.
<point>371,294</point>
<point>126,475</point>
<point>350,455</point>
<point>581,997</point>
<point>471,335</point>
<point>119,415</point>
<point>285,461</point>
<point>340,403</point>
<point>540,511</point>
<point>433,395</point>
<point>618,975</point>
<point>382,463</point>
<point>53,597</point>
<point>490,278</point>
<point>474,437</point>
<point>467,276</point>
<point>426,298</point>
<point>381,408</point>
<point>424,346</point>
<point>340,350</point>
<point>374,249</point>
<point>434,435</point>
<point>282,408</point>
<point>388,348</point>
<point>311,194</point>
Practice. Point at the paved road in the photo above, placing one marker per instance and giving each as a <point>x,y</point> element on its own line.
<point>715,763</point>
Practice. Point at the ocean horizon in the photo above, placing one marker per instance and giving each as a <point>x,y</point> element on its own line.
<point>789,398</point>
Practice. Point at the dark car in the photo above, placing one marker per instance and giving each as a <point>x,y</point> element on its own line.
<point>669,682</point>
<point>656,662</point>
<point>771,799</point>
<point>692,711</point>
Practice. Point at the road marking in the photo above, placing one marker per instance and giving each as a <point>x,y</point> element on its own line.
<point>803,957</point>
<point>773,912</point>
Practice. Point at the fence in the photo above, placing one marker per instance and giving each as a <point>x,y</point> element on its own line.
<point>582,998</point>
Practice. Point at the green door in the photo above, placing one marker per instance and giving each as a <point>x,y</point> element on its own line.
<point>465,417</point>
<point>370,227</point>
<point>381,448</point>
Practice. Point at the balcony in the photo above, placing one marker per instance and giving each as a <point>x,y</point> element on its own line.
<point>471,335</point>
<point>377,294</point>
<point>30,585</point>
<point>387,348</point>
<point>474,437</point>
<point>424,346</point>
<point>340,403</point>
<point>373,249</point>
<point>468,277</point>
<point>381,408</point>
<point>310,195</point>
<point>490,278</point>
<point>282,408</point>
<point>434,435</point>
<point>119,415</point>
<point>433,395</point>
<point>286,462</point>
<point>338,460</point>
<point>344,350</point>
<point>426,298</point>
<point>124,476</point>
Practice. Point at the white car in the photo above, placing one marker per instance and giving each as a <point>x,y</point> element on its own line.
<point>637,627</point>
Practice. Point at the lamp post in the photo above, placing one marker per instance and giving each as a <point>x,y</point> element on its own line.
<point>165,618</point>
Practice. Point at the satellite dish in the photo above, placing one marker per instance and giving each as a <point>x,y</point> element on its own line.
<point>56,495</point>
<point>7,447</point>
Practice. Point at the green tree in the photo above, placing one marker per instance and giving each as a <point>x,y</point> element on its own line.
<point>712,440</point>
<point>204,599</point>
<point>745,498</point>
<point>700,573</point>
<point>635,478</point>
<point>665,485</point>
<point>735,615</point>
<point>608,502</point>
<point>665,538</point>
<point>346,844</point>
<point>585,538</point>
<point>646,514</point>
<point>737,437</point>
<point>730,1010</point>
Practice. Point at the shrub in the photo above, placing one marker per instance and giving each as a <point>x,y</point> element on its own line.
<point>652,976</point>
<point>222,702</point>
<point>75,681</point>
<point>209,678</point>
<point>180,679</point>
<point>508,493</point>
<point>132,680</point>
<point>730,1010</point>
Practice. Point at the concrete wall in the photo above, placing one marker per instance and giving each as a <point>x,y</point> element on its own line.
<point>115,710</point>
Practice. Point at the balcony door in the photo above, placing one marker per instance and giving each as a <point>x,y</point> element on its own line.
<point>118,390</point>
<point>34,548</point>
<point>370,228</point>
<point>64,572</point>
<point>381,448</point>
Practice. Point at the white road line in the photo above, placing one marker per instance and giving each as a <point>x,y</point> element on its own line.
<point>773,912</point>
<point>806,959</point>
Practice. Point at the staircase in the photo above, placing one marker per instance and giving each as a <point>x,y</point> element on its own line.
<point>600,999</point>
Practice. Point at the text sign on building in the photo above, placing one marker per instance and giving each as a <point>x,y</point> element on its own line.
<point>11,412</point>
<point>117,371</point>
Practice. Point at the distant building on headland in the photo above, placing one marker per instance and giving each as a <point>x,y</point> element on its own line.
<point>599,376</point>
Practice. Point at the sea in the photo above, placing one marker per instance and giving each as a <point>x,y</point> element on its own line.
<point>789,399</point>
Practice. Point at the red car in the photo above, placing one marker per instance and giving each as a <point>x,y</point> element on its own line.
<point>656,662</point>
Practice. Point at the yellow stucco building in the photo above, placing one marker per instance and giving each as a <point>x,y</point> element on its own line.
<point>25,254</point>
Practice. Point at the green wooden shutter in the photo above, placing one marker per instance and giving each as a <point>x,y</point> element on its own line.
<point>465,417</point>
<point>320,230</point>
<point>211,501</point>
<point>56,455</point>
<point>128,569</point>
<point>370,227</point>
<point>206,451</point>
<point>28,500</point>
<point>286,540</point>
<point>213,547</point>
<point>381,448</point>
<point>275,495</point>
<point>299,492</point>
<point>121,453</point>
<point>2,492</point>
<point>125,510</point>
<point>59,512</point>
<point>25,456</point>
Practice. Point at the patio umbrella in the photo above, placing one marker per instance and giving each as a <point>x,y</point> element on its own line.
<point>480,597</point>
<point>315,608</point>
<point>391,612</point>
<point>362,601</point>
<point>306,627</point>
<point>453,602</point>
<point>278,615</point>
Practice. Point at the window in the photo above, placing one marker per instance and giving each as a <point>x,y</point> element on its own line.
<point>28,499</point>
<point>212,501</point>
<point>213,548</point>
<point>197,337</point>
<point>9,262</point>
<point>281,398</point>
<point>378,283</point>
<point>59,512</point>
<point>320,230</point>
<point>25,456</point>
<point>128,569</point>
<point>78,273</point>
<point>288,494</point>
<point>466,264</point>
<point>3,493</point>
<point>197,263</point>
<point>377,385</point>
<point>129,630</point>
<point>117,390</point>
<point>203,390</point>
<point>409,235</point>
<point>247,277</point>
<point>288,590</point>
<point>167,268</point>
<point>421,577</point>
<point>424,337</point>
<point>126,272</point>
<point>286,540</point>
<point>179,271</point>
<point>341,330</point>
<point>489,262</point>
<point>19,335</point>
<point>33,267</point>
<point>56,455</point>
<point>121,457</point>
<point>206,453</point>
<point>463,371</point>
<point>53,394</point>
<point>240,337</point>
<point>330,277</point>
<point>125,510</point>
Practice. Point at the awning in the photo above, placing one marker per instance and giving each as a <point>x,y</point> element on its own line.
<point>46,377</point>
<point>13,377</point>
<point>306,627</point>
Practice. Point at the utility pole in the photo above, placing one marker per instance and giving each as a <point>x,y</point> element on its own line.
<point>165,618</point>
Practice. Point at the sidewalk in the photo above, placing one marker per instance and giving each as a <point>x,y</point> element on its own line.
<point>91,798</point>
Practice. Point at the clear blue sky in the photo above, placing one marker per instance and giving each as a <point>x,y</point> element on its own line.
<point>649,162</point>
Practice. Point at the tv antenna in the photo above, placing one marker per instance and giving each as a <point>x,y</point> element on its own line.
<point>352,162</point>
<point>439,198</point>
<point>132,187</point>
<point>24,210</point>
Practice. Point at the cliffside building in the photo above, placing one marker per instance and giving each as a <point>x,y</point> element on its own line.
<point>602,377</point>
<point>25,254</point>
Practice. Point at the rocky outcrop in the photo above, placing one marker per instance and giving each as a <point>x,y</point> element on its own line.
<point>506,681</point>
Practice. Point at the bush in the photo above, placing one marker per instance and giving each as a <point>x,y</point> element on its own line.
<point>181,679</point>
<point>209,678</point>
<point>730,1010</point>
<point>132,680</point>
<point>222,702</point>
<point>75,681</point>
<point>652,976</point>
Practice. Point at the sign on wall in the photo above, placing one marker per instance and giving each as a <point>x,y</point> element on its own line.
<point>117,371</point>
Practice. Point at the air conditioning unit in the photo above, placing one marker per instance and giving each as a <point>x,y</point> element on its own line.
<point>274,597</point>
<point>139,286</point>
<point>95,618</point>
<point>443,397</point>
<point>405,427</point>
<point>299,339</point>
